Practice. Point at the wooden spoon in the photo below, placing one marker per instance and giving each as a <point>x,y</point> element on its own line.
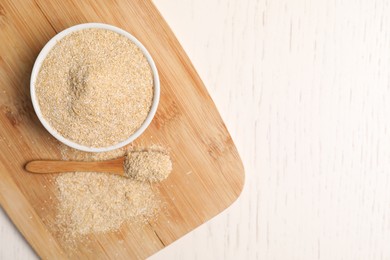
<point>115,166</point>
<point>142,166</point>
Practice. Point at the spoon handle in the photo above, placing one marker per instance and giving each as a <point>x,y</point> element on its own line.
<point>47,166</point>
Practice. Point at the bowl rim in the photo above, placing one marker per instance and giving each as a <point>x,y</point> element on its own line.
<point>42,56</point>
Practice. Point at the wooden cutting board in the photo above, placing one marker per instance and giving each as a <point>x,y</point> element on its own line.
<point>187,122</point>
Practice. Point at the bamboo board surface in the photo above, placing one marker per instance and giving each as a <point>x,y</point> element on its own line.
<point>186,121</point>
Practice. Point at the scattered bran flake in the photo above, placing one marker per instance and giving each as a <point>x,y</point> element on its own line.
<point>147,165</point>
<point>70,154</point>
<point>95,87</point>
<point>93,203</point>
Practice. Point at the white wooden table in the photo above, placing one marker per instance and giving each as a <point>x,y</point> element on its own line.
<point>304,88</point>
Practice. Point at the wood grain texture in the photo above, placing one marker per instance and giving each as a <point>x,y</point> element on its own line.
<point>207,175</point>
<point>303,87</point>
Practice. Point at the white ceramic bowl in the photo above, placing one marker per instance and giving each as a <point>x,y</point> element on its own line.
<point>42,55</point>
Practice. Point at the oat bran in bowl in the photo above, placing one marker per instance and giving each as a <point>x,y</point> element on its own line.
<point>95,87</point>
